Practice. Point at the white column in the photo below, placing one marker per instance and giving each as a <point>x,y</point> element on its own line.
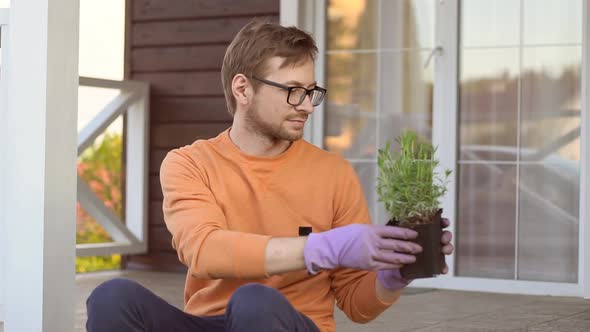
<point>40,171</point>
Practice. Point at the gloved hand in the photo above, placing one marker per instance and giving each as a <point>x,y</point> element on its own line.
<point>360,246</point>
<point>392,279</point>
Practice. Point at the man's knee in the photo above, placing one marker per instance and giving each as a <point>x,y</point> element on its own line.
<point>113,294</point>
<point>256,299</point>
<point>113,306</point>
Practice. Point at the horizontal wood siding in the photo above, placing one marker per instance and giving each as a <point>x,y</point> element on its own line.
<point>201,31</point>
<point>177,58</point>
<point>166,9</point>
<point>178,47</point>
<point>183,84</point>
<point>192,109</point>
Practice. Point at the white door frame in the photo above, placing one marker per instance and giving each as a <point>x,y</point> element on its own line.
<point>4,18</point>
<point>310,15</point>
<point>39,176</point>
<point>445,135</point>
<point>584,242</point>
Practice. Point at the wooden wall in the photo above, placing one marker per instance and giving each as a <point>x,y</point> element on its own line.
<point>178,47</point>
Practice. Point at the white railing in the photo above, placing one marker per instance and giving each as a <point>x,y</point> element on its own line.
<point>129,237</point>
<point>3,106</point>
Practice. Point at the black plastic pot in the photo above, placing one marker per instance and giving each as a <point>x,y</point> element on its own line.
<point>431,261</point>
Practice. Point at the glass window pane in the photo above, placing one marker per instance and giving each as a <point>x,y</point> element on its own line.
<point>407,24</point>
<point>350,120</point>
<point>552,21</point>
<point>548,222</point>
<point>352,24</point>
<point>486,221</point>
<point>489,104</point>
<point>490,23</point>
<point>366,173</point>
<point>405,96</point>
<point>551,103</point>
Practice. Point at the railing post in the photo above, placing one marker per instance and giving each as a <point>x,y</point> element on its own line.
<point>137,150</point>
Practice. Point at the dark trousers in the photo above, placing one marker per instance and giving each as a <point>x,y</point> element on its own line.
<point>124,305</point>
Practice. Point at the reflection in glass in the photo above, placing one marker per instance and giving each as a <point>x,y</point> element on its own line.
<point>489,104</point>
<point>551,103</point>
<point>548,222</point>
<point>486,223</point>
<point>350,121</point>
<point>405,96</point>
<point>352,24</point>
<point>407,24</point>
<point>552,21</point>
<point>490,23</point>
<point>366,173</point>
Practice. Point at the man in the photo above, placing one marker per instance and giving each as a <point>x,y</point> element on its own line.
<point>236,206</point>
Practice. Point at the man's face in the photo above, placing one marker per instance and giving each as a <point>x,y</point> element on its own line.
<point>269,114</point>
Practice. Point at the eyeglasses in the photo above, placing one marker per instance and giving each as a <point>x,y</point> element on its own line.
<point>296,94</point>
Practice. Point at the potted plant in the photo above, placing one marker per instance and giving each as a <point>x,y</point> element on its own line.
<point>411,187</point>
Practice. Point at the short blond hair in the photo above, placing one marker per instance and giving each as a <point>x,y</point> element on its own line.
<point>258,41</point>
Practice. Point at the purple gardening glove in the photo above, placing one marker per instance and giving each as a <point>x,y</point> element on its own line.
<point>392,279</point>
<point>360,246</point>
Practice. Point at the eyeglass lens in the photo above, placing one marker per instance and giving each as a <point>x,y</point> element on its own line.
<point>297,96</point>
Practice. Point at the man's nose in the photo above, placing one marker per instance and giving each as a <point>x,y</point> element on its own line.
<point>306,105</point>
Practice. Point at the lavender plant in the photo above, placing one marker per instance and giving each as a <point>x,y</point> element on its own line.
<point>408,181</point>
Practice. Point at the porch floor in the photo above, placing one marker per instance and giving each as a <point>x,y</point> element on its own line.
<point>417,310</point>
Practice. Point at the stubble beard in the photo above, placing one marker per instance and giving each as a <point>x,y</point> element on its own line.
<point>268,131</point>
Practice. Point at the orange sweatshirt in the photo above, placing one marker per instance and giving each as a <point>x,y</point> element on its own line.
<point>222,206</point>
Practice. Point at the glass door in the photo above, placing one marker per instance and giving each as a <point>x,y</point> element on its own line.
<point>503,101</point>
<point>519,147</point>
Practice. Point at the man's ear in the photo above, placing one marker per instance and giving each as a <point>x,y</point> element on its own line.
<point>241,89</point>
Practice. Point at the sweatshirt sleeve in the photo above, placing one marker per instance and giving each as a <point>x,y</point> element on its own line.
<point>199,229</point>
<point>355,289</point>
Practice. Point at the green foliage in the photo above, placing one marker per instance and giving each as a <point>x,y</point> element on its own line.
<point>100,166</point>
<point>408,183</point>
<point>97,263</point>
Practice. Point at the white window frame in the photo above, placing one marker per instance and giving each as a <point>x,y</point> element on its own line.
<point>311,16</point>
<point>584,242</point>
